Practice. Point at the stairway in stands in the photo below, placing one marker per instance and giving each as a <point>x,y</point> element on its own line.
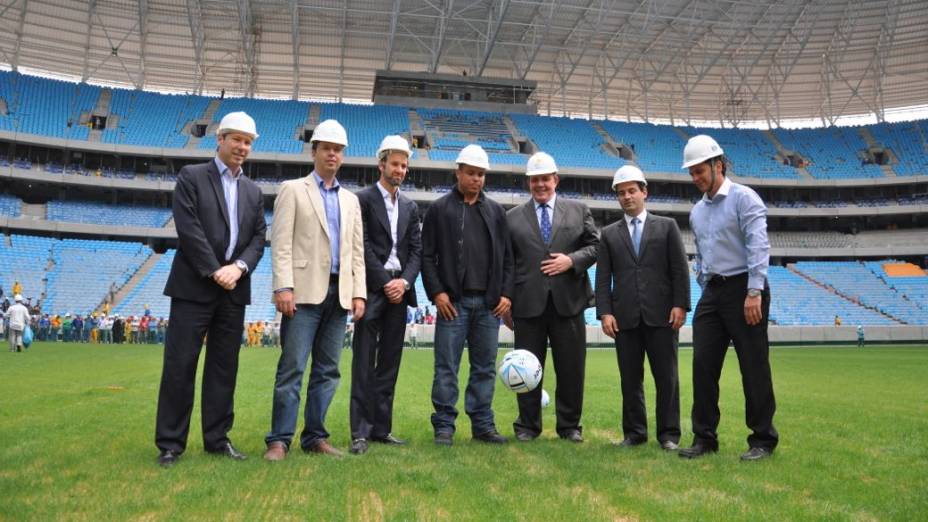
<point>122,292</point>
<point>857,302</point>
<point>872,143</point>
<point>784,153</point>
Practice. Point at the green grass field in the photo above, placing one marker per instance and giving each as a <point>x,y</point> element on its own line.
<point>77,422</point>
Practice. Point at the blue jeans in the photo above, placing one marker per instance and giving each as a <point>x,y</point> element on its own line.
<point>316,329</point>
<point>477,325</point>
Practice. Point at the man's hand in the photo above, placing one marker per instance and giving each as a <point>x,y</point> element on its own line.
<point>610,326</point>
<point>752,313</point>
<point>283,300</point>
<point>558,264</point>
<point>677,316</point>
<point>357,309</point>
<point>394,290</point>
<point>445,309</point>
<point>227,276</point>
<point>503,307</point>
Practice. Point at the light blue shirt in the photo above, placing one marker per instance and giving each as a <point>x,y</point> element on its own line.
<point>731,235</point>
<point>550,204</point>
<point>332,218</point>
<point>393,216</point>
<point>230,192</point>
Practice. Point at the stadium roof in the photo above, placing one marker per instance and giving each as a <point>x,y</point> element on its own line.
<point>730,61</point>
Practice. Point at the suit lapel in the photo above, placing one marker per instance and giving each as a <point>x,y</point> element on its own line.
<point>213,174</point>
<point>645,232</point>
<point>380,209</point>
<point>559,210</point>
<point>240,206</point>
<point>344,227</point>
<point>626,238</point>
<point>316,199</point>
<point>402,221</point>
<point>532,217</point>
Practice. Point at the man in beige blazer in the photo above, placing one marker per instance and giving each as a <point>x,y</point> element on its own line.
<point>317,250</point>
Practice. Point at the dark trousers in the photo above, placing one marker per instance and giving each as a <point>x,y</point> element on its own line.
<point>660,345</point>
<point>375,364</point>
<point>568,348</point>
<point>719,320</point>
<point>222,322</point>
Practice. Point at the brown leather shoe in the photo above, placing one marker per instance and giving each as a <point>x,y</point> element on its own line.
<point>325,448</point>
<point>276,451</point>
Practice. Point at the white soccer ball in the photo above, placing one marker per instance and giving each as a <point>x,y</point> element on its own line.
<point>520,371</point>
<point>545,399</point>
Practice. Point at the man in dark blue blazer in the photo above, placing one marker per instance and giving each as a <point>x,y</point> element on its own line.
<point>219,216</point>
<point>392,257</point>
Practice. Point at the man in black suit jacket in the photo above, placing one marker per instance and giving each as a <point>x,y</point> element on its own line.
<point>554,242</point>
<point>642,296</point>
<point>392,257</point>
<point>219,215</point>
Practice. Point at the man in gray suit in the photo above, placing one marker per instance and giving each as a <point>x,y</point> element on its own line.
<point>642,296</point>
<point>554,242</point>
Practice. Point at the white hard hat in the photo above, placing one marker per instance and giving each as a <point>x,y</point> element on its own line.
<point>237,122</point>
<point>18,298</point>
<point>699,149</point>
<point>540,163</point>
<point>628,173</point>
<point>394,143</point>
<point>330,131</point>
<point>475,156</point>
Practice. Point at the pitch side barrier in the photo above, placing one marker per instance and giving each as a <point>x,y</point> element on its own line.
<point>779,335</point>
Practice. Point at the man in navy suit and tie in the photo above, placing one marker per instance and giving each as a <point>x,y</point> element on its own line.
<point>392,257</point>
<point>642,296</point>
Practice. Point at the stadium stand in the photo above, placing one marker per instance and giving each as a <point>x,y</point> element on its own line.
<point>832,153</point>
<point>450,131</point>
<point>907,142</point>
<point>367,125</point>
<point>858,281</point>
<point>105,214</point>
<point>10,206</point>
<point>152,119</point>
<point>749,151</point>
<point>85,270</point>
<point>280,123</point>
<point>149,290</point>
<point>45,107</point>
<point>657,147</point>
<point>25,260</point>
<point>571,142</point>
<point>796,301</point>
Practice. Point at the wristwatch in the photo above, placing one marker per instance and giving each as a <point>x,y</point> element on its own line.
<point>753,292</point>
<point>406,285</point>
<point>241,265</point>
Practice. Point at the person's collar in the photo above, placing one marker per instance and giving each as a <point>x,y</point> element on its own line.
<point>386,193</point>
<point>723,190</point>
<point>642,216</point>
<point>321,182</point>
<point>550,202</point>
<point>457,192</point>
<point>223,168</point>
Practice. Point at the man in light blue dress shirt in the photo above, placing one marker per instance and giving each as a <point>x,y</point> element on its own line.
<point>732,256</point>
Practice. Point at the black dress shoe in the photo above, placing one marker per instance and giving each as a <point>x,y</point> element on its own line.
<point>669,445</point>
<point>358,447</point>
<point>628,443</point>
<point>168,458</point>
<point>492,437</point>
<point>444,438</point>
<point>389,439</point>
<point>228,450</point>
<point>572,436</point>
<point>697,450</point>
<point>524,436</point>
<point>756,454</point>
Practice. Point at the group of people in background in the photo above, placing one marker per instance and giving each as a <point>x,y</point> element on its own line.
<point>337,254</point>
